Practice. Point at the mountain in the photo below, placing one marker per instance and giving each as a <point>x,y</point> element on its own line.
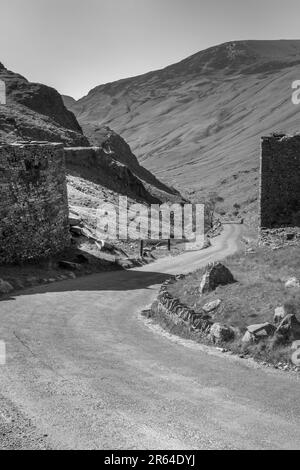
<point>197,124</point>
<point>118,149</point>
<point>102,174</point>
<point>35,111</point>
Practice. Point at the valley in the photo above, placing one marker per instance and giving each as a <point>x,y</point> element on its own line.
<point>197,124</point>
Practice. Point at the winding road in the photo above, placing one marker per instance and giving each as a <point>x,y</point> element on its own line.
<point>84,371</point>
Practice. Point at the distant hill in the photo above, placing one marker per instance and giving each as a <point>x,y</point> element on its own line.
<point>197,124</point>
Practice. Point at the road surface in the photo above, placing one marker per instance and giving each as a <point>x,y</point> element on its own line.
<point>84,372</point>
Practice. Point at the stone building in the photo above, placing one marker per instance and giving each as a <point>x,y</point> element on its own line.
<point>280,181</point>
<point>2,92</point>
<point>33,201</point>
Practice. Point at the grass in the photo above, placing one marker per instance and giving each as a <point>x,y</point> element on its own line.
<point>264,351</point>
<point>258,291</point>
<point>252,299</point>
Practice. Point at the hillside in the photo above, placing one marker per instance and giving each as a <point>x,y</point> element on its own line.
<point>35,111</point>
<point>101,174</point>
<point>197,124</point>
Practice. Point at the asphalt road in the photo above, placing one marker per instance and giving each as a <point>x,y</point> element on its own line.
<point>84,371</point>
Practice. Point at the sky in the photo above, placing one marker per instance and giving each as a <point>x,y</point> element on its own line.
<point>75,45</point>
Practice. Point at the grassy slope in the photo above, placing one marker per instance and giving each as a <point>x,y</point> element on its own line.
<point>258,291</point>
<point>252,300</point>
<point>197,124</point>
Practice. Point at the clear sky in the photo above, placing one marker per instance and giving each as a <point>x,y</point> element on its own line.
<point>75,45</point>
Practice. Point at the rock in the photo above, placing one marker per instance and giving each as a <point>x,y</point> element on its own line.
<point>289,328</point>
<point>279,314</point>
<point>293,282</point>
<point>295,346</point>
<point>221,333</point>
<point>75,221</point>
<point>76,230</point>
<point>248,338</point>
<point>290,236</point>
<point>210,306</point>
<point>82,259</point>
<point>104,245</point>
<point>262,330</point>
<point>5,287</point>
<point>69,265</point>
<point>216,274</point>
<point>32,280</point>
<point>36,112</point>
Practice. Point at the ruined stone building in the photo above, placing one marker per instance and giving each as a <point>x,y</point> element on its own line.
<point>33,201</point>
<point>280,181</point>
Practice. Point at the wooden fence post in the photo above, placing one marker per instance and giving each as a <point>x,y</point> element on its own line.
<point>141,248</point>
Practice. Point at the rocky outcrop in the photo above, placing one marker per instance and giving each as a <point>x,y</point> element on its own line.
<point>36,112</point>
<point>100,167</point>
<point>39,98</point>
<point>116,147</point>
<point>18,122</point>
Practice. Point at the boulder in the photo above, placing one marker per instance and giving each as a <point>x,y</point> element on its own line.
<point>5,287</point>
<point>75,221</point>
<point>248,338</point>
<point>75,230</point>
<point>279,314</point>
<point>293,282</point>
<point>221,333</point>
<point>216,274</point>
<point>211,306</point>
<point>261,330</point>
<point>289,328</point>
<point>69,265</point>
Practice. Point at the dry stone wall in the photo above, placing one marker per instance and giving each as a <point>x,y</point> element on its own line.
<point>33,203</point>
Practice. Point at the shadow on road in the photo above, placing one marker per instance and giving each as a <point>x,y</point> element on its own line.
<point>107,281</point>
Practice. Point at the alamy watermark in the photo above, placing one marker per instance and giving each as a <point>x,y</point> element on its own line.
<point>2,353</point>
<point>140,222</point>
<point>296,93</point>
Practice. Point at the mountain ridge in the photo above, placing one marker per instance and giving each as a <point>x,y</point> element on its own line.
<point>197,124</point>
<point>37,112</point>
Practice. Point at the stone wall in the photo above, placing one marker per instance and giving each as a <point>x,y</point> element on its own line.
<point>280,181</point>
<point>33,201</point>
